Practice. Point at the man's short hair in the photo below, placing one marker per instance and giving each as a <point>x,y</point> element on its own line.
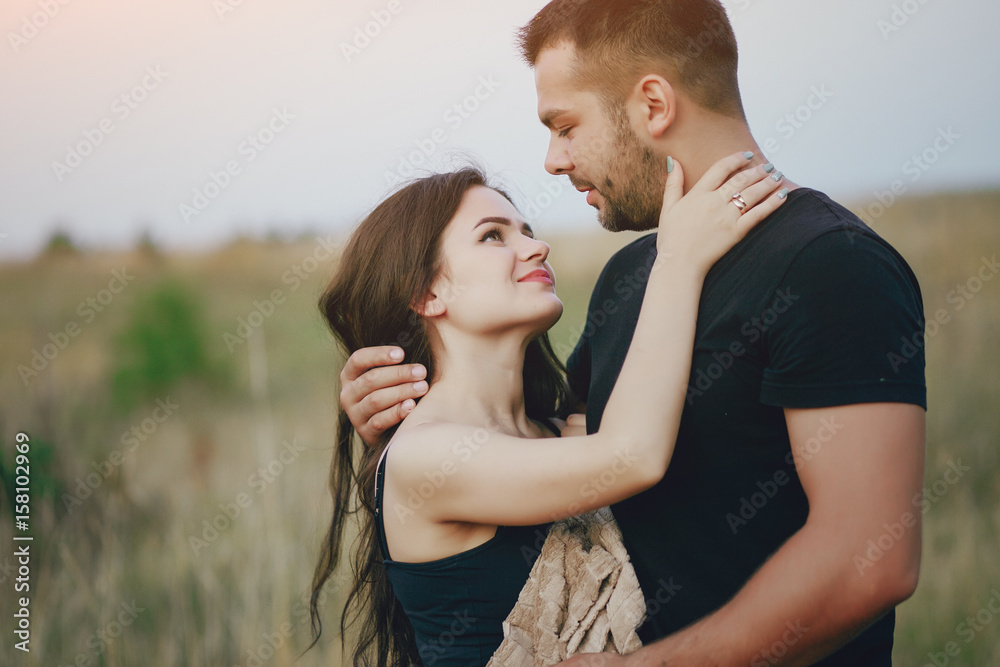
<point>688,42</point>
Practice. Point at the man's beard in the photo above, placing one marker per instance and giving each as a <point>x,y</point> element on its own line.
<point>638,197</point>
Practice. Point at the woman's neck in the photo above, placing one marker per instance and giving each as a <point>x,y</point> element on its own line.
<point>479,381</point>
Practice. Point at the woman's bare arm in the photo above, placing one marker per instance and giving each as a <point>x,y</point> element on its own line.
<point>482,476</point>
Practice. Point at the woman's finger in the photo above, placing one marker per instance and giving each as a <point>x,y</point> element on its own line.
<point>739,182</point>
<point>758,190</point>
<point>721,171</point>
<point>754,215</point>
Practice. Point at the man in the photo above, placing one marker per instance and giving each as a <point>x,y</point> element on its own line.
<point>802,441</point>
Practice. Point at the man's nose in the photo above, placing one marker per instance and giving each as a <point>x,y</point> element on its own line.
<point>557,160</point>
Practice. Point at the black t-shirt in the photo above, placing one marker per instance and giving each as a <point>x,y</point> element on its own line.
<point>812,309</point>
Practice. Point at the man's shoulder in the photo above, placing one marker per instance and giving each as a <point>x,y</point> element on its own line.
<point>810,222</point>
<point>814,223</point>
<point>808,215</point>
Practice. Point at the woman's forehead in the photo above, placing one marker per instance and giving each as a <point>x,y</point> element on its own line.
<point>482,202</point>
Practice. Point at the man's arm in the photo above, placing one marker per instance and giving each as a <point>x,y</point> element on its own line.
<point>818,591</point>
<point>376,393</point>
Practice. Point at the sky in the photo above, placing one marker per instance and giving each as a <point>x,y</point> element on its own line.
<point>197,121</point>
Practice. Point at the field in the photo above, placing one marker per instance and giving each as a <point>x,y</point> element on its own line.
<point>181,409</point>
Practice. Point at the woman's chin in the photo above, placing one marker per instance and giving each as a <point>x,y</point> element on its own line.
<point>531,322</point>
<point>548,320</point>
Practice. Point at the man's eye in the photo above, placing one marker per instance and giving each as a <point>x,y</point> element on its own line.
<point>564,133</point>
<point>492,235</point>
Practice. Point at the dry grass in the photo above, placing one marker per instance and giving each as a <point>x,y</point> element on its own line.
<point>221,603</point>
<point>945,239</point>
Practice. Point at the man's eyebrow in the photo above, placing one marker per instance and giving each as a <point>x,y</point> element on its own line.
<point>548,118</point>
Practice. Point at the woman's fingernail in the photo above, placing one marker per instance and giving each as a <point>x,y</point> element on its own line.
<point>768,168</point>
<point>409,404</point>
<point>783,193</point>
<point>748,155</point>
<point>420,386</point>
<point>418,371</point>
<point>777,176</point>
<point>396,354</point>
<point>670,165</point>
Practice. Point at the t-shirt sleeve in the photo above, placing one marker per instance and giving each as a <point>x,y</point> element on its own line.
<point>847,327</point>
<point>578,368</point>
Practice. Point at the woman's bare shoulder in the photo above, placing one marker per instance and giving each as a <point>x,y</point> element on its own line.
<point>421,443</point>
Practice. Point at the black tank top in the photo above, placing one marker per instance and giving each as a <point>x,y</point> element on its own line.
<point>457,604</point>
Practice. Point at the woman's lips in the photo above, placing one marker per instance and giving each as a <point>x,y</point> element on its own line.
<point>537,276</point>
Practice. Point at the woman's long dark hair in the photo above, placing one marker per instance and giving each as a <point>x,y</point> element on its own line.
<point>388,265</point>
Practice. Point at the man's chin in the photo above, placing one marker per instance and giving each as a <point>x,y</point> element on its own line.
<point>614,221</point>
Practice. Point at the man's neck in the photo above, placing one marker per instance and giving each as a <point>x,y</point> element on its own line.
<point>700,142</point>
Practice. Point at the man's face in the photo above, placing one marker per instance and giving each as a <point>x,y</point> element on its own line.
<point>596,147</point>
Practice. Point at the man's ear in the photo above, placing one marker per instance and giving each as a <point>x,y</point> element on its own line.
<point>657,101</point>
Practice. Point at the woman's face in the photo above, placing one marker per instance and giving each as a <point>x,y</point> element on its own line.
<point>494,276</point>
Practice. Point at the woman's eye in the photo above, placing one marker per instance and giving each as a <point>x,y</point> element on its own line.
<point>492,235</point>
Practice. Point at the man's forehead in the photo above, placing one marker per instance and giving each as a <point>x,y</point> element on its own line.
<point>555,83</point>
<point>554,66</point>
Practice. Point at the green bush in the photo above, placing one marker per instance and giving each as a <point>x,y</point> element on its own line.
<point>60,243</point>
<point>164,343</point>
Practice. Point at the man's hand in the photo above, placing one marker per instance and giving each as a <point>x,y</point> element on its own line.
<point>377,393</point>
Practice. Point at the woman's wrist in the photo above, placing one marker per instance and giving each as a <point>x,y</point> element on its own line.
<point>679,267</point>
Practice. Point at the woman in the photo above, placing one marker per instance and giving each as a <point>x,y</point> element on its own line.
<point>447,269</point>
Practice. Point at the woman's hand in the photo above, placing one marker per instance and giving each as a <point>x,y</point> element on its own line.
<point>703,225</point>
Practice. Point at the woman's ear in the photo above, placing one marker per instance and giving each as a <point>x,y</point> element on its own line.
<point>431,305</point>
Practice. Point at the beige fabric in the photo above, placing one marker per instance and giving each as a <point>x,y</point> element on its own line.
<point>582,596</point>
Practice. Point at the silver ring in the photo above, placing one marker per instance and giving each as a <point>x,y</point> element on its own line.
<point>739,201</point>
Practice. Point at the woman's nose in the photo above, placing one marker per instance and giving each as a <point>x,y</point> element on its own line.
<point>535,249</point>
